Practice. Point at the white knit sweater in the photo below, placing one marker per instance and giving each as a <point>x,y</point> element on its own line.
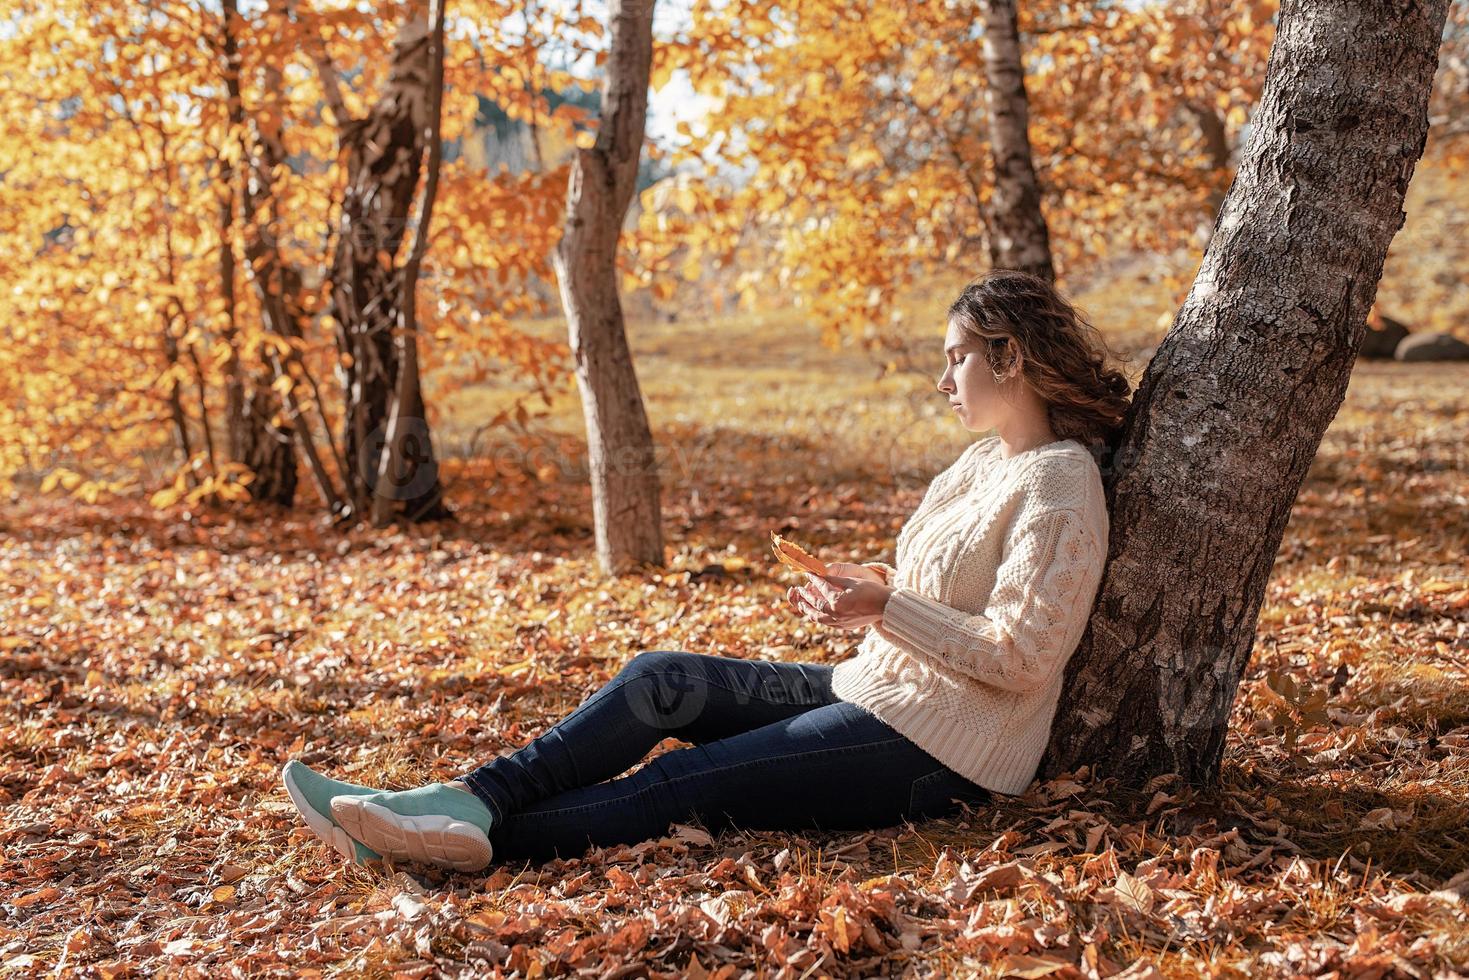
<point>997,571</point>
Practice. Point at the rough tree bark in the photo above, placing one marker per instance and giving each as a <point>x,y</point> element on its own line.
<point>1017,229</point>
<point>1232,409</point>
<point>625,484</point>
<point>382,155</point>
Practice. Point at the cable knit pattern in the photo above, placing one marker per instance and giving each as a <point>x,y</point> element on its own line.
<point>996,574</point>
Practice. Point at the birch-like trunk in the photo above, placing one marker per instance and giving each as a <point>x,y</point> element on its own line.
<point>1233,407</point>
<point>625,484</point>
<point>1017,229</point>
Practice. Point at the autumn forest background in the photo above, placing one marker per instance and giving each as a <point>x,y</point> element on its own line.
<point>289,471</point>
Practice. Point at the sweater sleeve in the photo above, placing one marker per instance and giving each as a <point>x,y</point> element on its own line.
<point>1035,615</point>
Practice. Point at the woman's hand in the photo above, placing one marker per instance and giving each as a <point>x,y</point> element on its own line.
<point>806,601</point>
<point>842,601</point>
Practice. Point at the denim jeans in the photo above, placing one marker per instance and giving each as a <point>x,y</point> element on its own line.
<point>772,749</point>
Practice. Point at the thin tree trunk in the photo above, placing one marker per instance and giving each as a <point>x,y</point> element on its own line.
<point>170,342</point>
<point>408,471</point>
<point>1216,144</point>
<point>175,400</point>
<point>234,376</point>
<point>251,437</point>
<point>202,390</point>
<point>625,484</point>
<point>1233,407</point>
<point>173,348</point>
<point>169,266</point>
<point>278,286</point>
<point>381,154</point>
<point>1019,238</point>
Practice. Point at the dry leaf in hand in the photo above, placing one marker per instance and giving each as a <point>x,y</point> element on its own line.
<point>792,554</point>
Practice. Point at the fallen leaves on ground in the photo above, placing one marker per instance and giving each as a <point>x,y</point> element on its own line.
<point>157,672</point>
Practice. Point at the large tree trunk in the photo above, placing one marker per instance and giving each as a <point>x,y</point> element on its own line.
<point>625,485</point>
<point>1017,229</point>
<point>382,154</point>
<point>1234,404</point>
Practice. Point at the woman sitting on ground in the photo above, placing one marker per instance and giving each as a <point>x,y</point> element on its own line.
<point>949,698</point>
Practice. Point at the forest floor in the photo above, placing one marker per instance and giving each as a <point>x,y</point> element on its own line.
<point>158,670</point>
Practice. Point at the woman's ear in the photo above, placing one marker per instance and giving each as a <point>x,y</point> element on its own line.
<point>1013,359</point>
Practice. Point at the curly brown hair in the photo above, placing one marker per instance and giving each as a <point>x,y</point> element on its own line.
<point>1064,357</point>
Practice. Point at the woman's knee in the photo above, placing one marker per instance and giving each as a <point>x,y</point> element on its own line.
<point>658,661</point>
<point>664,689</point>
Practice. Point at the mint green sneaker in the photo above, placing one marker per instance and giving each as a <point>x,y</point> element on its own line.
<point>312,793</point>
<point>435,824</point>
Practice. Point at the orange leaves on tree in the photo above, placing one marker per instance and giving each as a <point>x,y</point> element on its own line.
<point>122,173</point>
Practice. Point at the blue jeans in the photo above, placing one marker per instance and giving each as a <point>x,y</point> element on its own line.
<point>772,749</point>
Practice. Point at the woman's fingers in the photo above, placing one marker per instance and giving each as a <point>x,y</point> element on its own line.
<point>815,608</point>
<point>800,598</point>
<point>820,586</point>
<point>812,610</point>
<point>853,570</point>
<point>804,592</point>
<point>813,605</point>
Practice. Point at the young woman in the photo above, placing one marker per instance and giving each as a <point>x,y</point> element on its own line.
<point>949,698</point>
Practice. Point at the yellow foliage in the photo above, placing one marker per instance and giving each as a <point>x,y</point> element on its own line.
<point>866,173</point>
<point>126,170</point>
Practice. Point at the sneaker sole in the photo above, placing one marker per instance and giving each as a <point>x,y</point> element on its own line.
<point>433,839</point>
<point>321,825</point>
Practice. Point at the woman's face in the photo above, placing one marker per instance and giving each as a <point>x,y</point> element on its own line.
<point>968,381</point>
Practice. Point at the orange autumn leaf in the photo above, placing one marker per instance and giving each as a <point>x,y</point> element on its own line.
<point>792,554</point>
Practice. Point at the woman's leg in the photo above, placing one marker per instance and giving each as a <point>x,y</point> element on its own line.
<point>834,767</point>
<point>659,693</point>
<point>695,697</point>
